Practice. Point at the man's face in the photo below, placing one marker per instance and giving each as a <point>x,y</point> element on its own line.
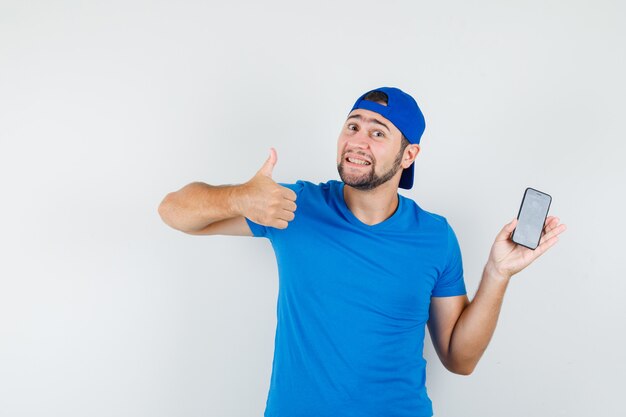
<point>368,150</point>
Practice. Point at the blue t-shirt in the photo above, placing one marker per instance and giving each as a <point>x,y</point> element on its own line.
<point>353,302</point>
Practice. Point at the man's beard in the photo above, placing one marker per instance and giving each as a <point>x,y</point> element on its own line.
<point>369,181</point>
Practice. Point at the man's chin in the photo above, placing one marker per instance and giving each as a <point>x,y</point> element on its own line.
<point>353,180</point>
<point>360,183</point>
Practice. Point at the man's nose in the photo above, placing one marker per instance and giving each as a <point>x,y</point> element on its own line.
<point>361,139</point>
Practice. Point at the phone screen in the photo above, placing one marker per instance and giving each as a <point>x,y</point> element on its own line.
<point>531,218</point>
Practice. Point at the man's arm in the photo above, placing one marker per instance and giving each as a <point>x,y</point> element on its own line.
<point>197,206</point>
<point>200,208</point>
<point>461,330</point>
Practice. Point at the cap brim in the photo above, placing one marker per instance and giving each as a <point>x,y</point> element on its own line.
<point>406,180</point>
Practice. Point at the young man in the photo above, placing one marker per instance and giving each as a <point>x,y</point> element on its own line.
<point>362,271</point>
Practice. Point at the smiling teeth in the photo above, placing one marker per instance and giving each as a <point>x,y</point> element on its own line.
<point>358,161</point>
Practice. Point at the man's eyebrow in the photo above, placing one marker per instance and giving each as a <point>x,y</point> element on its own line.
<point>358,116</point>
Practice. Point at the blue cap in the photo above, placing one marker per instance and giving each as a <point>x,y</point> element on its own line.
<point>403,112</point>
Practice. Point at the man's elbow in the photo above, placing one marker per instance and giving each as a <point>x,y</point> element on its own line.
<point>461,369</point>
<point>464,372</point>
<point>165,210</point>
<point>169,212</point>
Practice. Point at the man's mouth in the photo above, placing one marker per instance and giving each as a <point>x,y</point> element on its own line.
<point>357,161</point>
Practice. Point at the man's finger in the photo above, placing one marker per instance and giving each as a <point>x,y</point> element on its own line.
<point>280,224</point>
<point>289,194</point>
<point>550,220</point>
<point>506,231</point>
<point>287,215</point>
<point>551,223</point>
<point>545,243</point>
<point>290,206</point>
<point>554,231</point>
<point>269,164</point>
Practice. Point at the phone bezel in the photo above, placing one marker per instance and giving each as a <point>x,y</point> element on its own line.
<point>520,212</point>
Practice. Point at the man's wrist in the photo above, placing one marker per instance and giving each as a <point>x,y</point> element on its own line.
<point>236,197</point>
<point>492,273</point>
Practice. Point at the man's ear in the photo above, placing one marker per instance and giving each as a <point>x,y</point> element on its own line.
<point>410,153</point>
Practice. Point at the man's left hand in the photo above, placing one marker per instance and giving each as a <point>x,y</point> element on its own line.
<point>508,258</point>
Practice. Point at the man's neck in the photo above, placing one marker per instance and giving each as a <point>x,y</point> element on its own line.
<point>372,206</point>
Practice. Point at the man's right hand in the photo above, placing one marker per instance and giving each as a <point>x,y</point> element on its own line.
<point>264,201</point>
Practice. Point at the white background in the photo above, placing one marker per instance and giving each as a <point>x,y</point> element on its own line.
<point>105,107</point>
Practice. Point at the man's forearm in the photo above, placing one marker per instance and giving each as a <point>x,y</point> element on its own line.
<point>476,325</point>
<point>197,205</point>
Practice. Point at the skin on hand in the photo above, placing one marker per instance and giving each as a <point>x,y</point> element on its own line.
<point>264,201</point>
<point>508,258</point>
<point>461,330</point>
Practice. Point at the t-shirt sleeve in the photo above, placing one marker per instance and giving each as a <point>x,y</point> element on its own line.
<point>259,230</point>
<point>450,282</point>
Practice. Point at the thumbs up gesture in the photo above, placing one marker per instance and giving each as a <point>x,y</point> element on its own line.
<point>264,201</point>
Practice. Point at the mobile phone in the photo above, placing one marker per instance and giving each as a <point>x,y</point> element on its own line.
<point>531,218</point>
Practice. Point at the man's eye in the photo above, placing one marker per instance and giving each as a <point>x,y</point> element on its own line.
<point>379,134</point>
<point>351,127</point>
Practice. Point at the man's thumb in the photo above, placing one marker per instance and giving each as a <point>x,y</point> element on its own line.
<point>269,164</point>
